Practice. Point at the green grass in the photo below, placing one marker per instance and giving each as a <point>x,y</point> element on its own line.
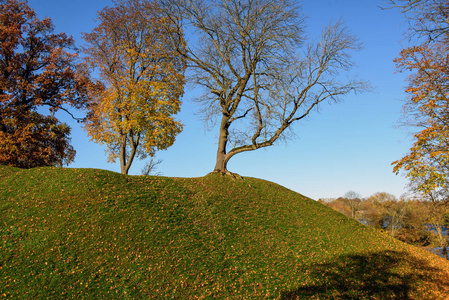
<point>94,234</point>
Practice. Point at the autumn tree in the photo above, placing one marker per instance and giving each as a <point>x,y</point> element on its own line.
<point>258,75</point>
<point>415,229</point>
<point>427,105</point>
<point>427,108</point>
<point>37,69</point>
<point>393,214</point>
<point>373,206</point>
<point>132,50</point>
<point>405,218</point>
<point>34,140</point>
<point>339,204</point>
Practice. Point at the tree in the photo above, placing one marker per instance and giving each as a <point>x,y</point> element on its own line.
<point>37,69</point>
<point>427,107</point>
<point>257,77</point>
<point>374,208</point>
<point>353,199</point>
<point>371,214</point>
<point>437,222</point>
<point>428,19</point>
<point>415,229</point>
<point>34,140</point>
<point>144,78</point>
<point>151,166</point>
<point>437,205</point>
<point>339,204</point>
<point>393,214</point>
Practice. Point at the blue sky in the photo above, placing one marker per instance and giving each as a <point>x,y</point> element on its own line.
<point>346,146</point>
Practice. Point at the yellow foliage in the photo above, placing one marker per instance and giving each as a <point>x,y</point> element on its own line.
<point>133,51</point>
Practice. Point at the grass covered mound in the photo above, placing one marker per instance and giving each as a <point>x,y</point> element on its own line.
<point>94,234</point>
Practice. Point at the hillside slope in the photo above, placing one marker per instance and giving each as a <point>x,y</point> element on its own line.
<point>95,234</point>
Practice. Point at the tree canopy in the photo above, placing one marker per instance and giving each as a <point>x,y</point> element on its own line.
<point>37,69</point>
<point>144,79</point>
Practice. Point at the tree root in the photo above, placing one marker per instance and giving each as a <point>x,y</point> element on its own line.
<point>227,173</point>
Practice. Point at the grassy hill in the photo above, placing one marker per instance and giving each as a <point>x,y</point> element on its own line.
<point>95,234</point>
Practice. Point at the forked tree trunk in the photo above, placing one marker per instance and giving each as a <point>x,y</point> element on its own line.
<point>125,162</point>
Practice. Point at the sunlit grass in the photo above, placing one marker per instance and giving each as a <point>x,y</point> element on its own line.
<point>85,233</point>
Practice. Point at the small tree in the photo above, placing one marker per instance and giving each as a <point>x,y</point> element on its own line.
<point>151,166</point>
<point>144,77</point>
<point>37,69</point>
<point>393,213</point>
<point>257,77</point>
<point>353,199</point>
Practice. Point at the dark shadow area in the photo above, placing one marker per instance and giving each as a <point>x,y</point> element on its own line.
<point>379,275</point>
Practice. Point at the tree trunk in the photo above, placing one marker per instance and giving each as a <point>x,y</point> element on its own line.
<point>222,159</point>
<point>125,162</point>
<point>122,155</point>
<point>443,240</point>
<point>131,157</point>
<point>444,252</point>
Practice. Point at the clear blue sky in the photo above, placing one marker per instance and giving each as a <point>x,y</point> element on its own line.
<point>346,146</point>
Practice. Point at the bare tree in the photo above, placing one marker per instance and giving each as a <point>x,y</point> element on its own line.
<point>150,167</point>
<point>428,19</point>
<point>394,213</point>
<point>353,199</point>
<point>258,74</point>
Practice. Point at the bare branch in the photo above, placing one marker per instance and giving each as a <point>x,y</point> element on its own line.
<point>428,19</point>
<point>256,75</point>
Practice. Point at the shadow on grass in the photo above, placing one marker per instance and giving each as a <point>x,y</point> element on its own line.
<point>380,275</point>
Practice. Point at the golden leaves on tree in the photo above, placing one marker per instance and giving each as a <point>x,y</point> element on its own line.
<point>143,77</point>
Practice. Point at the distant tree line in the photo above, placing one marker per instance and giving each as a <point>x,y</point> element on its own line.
<point>412,220</point>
